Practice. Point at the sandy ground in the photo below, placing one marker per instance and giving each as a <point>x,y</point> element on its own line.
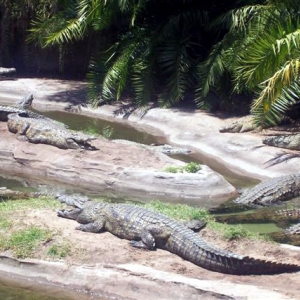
<point>100,254</point>
<point>137,274</point>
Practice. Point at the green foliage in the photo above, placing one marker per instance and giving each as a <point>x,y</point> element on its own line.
<point>151,53</point>
<point>236,232</point>
<point>34,203</point>
<point>261,53</point>
<point>179,211</point>
<point>172,169</point>
<point>191,167</point>
<point>23,242</point>
<point>5,224</point>
<point>60,250</point>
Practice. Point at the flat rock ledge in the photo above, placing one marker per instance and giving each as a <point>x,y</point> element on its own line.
<point>125,171</point>
<point>123,281</point>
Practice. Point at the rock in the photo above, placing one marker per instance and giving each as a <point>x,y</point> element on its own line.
<point>125,171</point>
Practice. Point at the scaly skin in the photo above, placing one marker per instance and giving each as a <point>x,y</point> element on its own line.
<point>20,108</point>
<point>272,191</point>
<point>149,230</point>
<point>291,141</point>
<point>48,132</point>
<point>243,124</point>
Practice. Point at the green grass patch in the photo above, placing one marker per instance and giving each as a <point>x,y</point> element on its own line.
<point>191,167</point>
<point>60,250</point>
<point>178,211</point>
<point>23,242</point>
<point>5,224</point>
<point>32,203</point>
<point>235,232</point>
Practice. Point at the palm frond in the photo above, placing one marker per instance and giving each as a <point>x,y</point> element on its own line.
<point>278,95</point>
<point>175,65</point>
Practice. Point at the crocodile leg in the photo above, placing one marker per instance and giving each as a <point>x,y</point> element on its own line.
<point>152,236</point>
<point>95,227</point>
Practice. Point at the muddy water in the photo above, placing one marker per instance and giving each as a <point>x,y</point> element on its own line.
<point>20,289</point>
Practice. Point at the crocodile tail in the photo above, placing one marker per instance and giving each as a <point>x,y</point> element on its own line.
<point>232,264</point>
<point>259,266</point>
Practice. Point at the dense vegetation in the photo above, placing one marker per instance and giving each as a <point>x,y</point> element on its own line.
<point>169,52</point>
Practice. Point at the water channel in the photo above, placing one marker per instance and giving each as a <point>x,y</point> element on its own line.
<point>121,131</point>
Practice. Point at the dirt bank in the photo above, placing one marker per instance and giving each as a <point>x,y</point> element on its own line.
<point>102,263</point>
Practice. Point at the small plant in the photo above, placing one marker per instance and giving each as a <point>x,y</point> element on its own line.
<point>191,167</point>
<point>236,232</point>
<point>172,169</point>
<point>179,211</point>
<point>59,250</point>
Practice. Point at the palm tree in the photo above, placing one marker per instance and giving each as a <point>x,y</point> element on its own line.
<point>261,53</point>
<point>152,49</point>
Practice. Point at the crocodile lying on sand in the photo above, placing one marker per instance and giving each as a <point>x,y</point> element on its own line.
<point>48,132</point>
<point>149,230</point>
<point>289,141</point>
<point>166,149</point>
<point>243,124</point>
<point>271,191</point>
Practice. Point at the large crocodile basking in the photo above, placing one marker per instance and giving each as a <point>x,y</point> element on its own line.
<point>287,141</point>
<point>166,149</point>
<point>47,132</point>
<point>243,124</point>
<point>149,230</point>
<point>271,191</point>
<point>37,128</point>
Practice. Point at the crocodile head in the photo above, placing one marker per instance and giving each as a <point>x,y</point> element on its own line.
<point>26,102</point>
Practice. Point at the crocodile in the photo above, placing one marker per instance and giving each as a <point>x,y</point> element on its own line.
<point>20,107</point>
<point>166,149</point>
<point>271,191</point>
<point>294,229</point>
<point>287,141</point>
<point>48,132</point>
<point>149,230</point>
<point>243,124</point>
